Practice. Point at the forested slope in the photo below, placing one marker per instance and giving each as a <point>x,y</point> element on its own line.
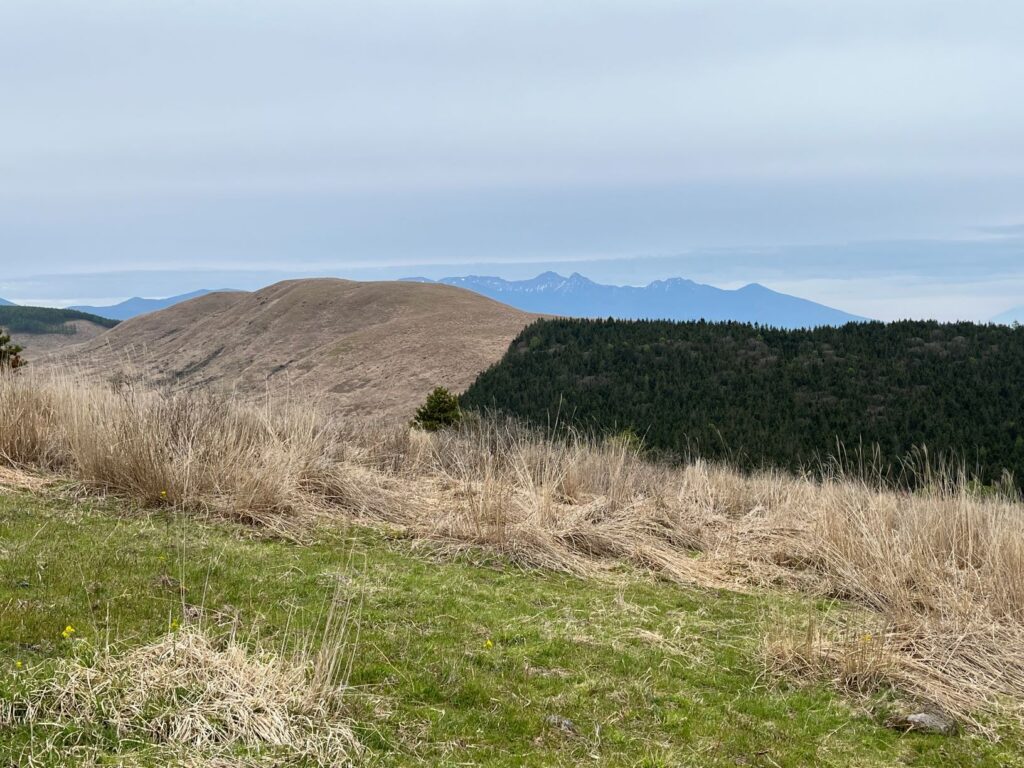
<point>17,319</point>
<point>763,396</point>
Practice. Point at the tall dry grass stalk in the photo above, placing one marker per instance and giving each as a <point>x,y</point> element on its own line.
<point>193,453</point>
<point>942,572</point>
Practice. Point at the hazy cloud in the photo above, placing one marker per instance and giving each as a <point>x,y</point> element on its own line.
<point>334,136</point>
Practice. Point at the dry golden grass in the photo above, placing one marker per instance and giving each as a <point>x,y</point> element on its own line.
<point>187,691</point>
<point>938,577</point>
<point>190,452</point>
<point>184,689</point>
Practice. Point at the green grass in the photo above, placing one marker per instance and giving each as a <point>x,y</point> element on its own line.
<point>649,673</point>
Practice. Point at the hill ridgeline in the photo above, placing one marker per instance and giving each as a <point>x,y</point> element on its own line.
<point>372,349</point>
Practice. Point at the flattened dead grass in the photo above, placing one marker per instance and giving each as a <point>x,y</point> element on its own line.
<point>187,691</point>
<point>19,480</point>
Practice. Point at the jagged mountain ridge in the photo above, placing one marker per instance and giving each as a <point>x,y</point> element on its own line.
<point>671,299</point>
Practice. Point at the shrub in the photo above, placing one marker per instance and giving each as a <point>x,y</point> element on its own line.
<point>10,353</point>
<point>439,411</point>
<point>626,438</point>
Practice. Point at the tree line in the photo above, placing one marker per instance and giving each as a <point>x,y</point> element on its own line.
<point>46,320</point>
<point>759,396</point>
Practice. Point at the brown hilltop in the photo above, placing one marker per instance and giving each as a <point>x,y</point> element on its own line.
<point>373,348</point>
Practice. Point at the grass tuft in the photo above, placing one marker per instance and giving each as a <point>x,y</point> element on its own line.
<point>186,690</point>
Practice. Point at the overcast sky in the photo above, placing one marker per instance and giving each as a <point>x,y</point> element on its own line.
<point>865,153</point>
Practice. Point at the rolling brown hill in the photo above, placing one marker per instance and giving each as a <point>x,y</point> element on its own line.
<point>373,348</point>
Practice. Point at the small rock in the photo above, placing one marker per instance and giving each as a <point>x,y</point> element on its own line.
<point>927,722</point>
<point>560,723</point>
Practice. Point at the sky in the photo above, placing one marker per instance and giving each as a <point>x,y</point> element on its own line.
<point>868,154</point>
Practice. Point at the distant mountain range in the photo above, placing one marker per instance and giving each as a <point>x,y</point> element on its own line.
<point>673,299</point>
<point>1010,316</point>
<point>6,303</point>
<point>137,306</point>
<point>578,296</point>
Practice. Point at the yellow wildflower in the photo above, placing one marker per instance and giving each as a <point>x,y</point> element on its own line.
<point>488,643</point>
<point>68,632</point>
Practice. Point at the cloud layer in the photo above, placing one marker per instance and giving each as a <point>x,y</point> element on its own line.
<point>343,135</point>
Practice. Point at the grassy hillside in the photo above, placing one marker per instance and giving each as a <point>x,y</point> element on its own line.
<point>762,396</point>
<point>452,662</point>
<point>353,347</point>
<point>194,579</point>
<point>40,320</point>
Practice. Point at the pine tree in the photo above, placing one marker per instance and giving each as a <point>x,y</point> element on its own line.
<point>441,410</point>
<point>10,353</point>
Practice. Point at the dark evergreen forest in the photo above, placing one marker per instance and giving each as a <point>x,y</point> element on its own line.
<point>759,396</point>
<point>46,320</point>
